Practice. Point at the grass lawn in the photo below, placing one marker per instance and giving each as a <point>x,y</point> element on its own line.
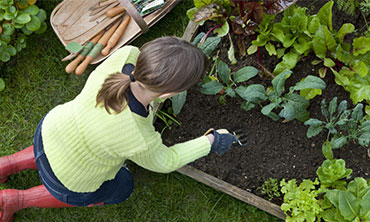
<point>36,82</point>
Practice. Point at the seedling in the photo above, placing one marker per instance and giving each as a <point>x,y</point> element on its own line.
<point>270,188</point>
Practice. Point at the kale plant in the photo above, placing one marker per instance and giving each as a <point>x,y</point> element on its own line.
<point>342,125</point>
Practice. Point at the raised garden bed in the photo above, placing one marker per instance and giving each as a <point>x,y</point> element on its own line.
<point>274,149</point>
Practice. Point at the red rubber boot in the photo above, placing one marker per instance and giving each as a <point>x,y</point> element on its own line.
<point>13,200</point>
<point>17,162</point>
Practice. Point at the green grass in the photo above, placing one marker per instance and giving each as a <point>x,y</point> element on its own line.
<point>36,82</point>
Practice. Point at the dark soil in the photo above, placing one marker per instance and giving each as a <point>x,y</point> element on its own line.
<point>274,149</point>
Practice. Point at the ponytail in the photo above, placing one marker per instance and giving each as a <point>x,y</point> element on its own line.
<point>113,93</point>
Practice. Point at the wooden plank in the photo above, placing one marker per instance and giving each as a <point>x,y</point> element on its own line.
<point>189,33</point>
<point>232,190</point>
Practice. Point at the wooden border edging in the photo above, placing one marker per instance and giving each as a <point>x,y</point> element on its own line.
<point>221,185</point>
<point>232,190</point>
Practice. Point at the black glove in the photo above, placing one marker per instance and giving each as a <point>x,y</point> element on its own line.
<point>222,142</point>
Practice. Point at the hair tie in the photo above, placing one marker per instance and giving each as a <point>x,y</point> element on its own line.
<point>132,79</point>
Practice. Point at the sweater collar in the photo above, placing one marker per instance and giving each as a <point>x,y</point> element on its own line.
<point>134,104</point>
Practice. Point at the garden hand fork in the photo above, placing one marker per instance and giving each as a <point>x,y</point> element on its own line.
<point>241,137</point>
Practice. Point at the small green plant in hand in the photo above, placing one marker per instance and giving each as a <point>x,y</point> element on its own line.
<point>270,188</point>
<point>342,124</point>
<point>291,104</point>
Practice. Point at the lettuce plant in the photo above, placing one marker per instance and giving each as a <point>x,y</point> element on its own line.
<point>301,202</point>
<point>342,125</point>
<point>291,105</point>
<point>332,171</point>
<point>350,204</point>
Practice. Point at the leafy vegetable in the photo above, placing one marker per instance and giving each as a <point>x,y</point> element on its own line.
<point>331,172</point>
<point>342,123</point>
<point>301,202</point>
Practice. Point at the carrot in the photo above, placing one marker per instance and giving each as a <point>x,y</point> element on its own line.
<point>116,35</point>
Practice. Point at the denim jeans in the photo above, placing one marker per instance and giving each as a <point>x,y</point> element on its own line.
<point>110,192</point>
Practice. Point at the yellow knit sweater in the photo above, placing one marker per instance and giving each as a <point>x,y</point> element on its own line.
<point>86,146</point>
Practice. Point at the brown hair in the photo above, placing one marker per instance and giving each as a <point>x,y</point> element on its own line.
<point>164,65</point>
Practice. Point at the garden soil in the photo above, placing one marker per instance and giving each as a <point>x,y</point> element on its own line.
<point>274,149</point>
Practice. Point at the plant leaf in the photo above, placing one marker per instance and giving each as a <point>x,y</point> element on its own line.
<point>23,19</point>
<point>278,82</point>
<point>209,45</point>
<point>223,30</point>
<point>322,42</point>
<point>223,72</point>
<point>252,49</point>
<point>2,84</point>
<point>349,206</point>
<point>245,73</point>
<point>364,139</point>
<point>344,30</point>
<point>361,45</point>
<point>310,82</point>
<point>313,131</point>
<point>247,106</point>
<point>211,88</point>
<point>333,106</point>
<point>231,53</point>
<point>254,93</point>
<point>327,150</point>
<point>357,113</point>
<point>325,15</point>
<point>178,102</point>
<point>266,110</point>
<point>337,142</point>
<point>34,24</point>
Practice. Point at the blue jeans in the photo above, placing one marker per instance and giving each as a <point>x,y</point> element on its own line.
<point>110,192</point>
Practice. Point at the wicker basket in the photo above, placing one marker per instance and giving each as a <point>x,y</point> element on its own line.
<point>70,21</point>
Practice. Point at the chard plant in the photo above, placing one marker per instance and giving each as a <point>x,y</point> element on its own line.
<point>299,33</point>
<point>292,105</point>
<point>342,125</point>
<point>242,15</point>
<point>289,39</point>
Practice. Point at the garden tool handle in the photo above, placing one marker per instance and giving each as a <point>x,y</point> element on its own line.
<point>72,65</point>
<point>115,11</point>
<point>101,43</point>
<point>116,35</point>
